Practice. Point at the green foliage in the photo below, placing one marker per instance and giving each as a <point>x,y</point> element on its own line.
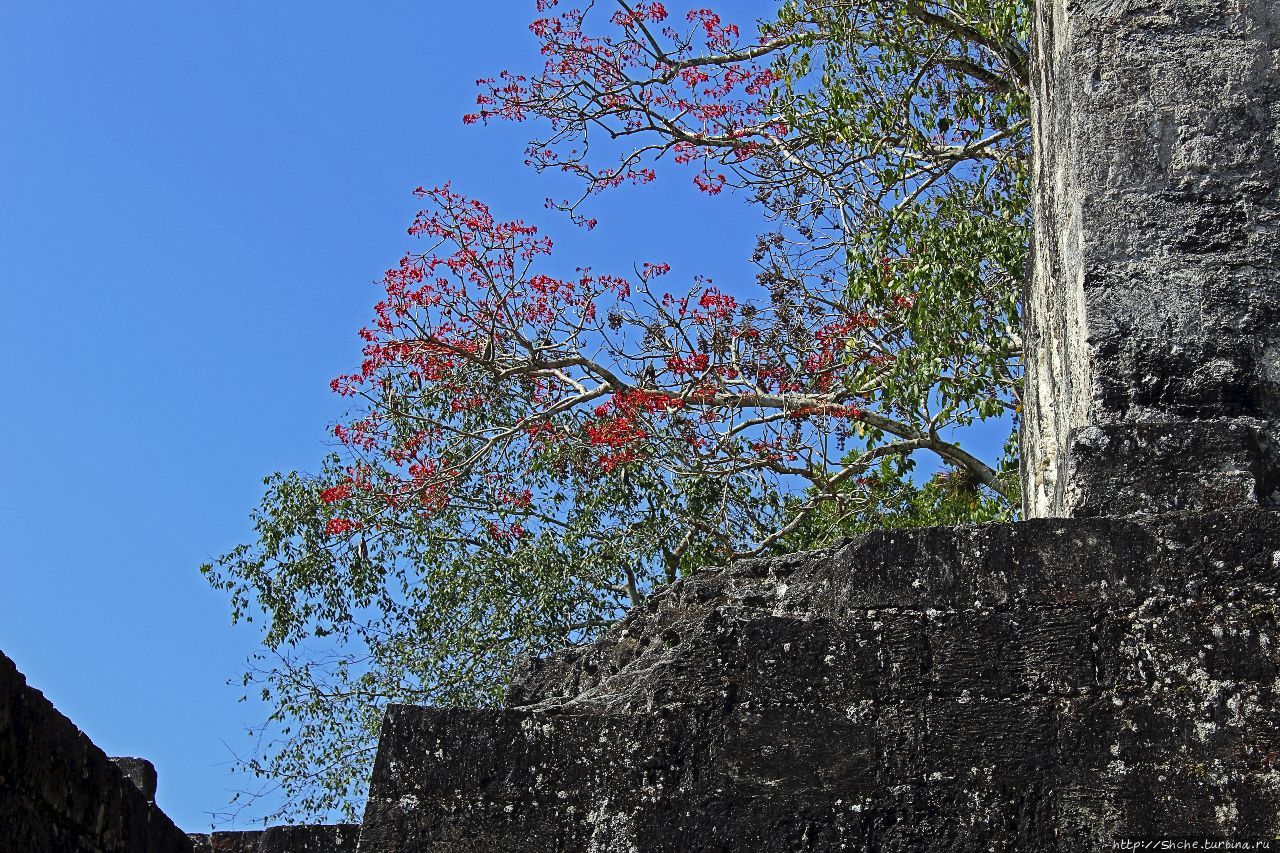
<point>947,498</point>
<point>420,612</point>
<point>911,124</point>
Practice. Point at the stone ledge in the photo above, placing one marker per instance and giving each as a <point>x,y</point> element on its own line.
<point>950,775</point>
<point>1181,466</point>
<point>304,838</point>
<point>973,573</point>
<point>1041,686</point>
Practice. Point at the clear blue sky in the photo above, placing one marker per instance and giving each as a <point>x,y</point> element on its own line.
<point>195,199</point>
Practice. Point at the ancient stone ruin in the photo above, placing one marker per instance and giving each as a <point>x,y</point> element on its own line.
<point>1053,685</point>
<point>1153,341</point>
<point>59,792</point>
<point>1105,671</point>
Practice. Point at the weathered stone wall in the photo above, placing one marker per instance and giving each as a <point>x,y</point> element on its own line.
<point>61,794</point>
<point>1044,686</point>
<point>1153,312</point>
<point>234,841</point>
<point>326,838</point>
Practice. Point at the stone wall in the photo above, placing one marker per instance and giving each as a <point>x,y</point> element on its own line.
<point>1153,312</point>
<point>141,773</point>
<point>61,794</point>
<point>1044,686</point>
<point>1054,685</point>
<point>328,838</point>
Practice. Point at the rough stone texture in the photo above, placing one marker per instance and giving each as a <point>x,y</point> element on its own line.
<point>319,838</point>
<point>1153,308</point>
<point>61,794</point>
<point>332,838</point>
<point>1052,685</point>
<point>236,841</point>
<point>141,773</point>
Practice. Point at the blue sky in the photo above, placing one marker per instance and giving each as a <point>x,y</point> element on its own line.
<point>194,202</point>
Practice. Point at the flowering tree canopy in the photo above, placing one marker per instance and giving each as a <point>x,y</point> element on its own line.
<point>885,139</point>
<point>532,447</point>
<point>488,381</point>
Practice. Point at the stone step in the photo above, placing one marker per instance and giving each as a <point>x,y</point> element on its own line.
<point>1062,650</point>
<point>1036,572</point>
<point>1042,561</point>
<point>1005,774</point>
<point>455,781</point>
<point>303,838</point>
<point>1043,686</point>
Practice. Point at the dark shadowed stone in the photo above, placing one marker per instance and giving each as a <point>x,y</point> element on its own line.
<point>1045,686</point>
<point>327,838</point>
<point>140,772</point>
<point>61,794</point>
<point>333,838</point>
<point>1123,469</point>
<point>235,841</point>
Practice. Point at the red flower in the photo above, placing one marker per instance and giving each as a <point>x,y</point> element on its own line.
<point>339,526</point>
<point>334,494</point>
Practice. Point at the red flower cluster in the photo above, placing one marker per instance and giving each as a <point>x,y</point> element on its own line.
<point>336,493</point>
<point>719,306</point>
<point>340,526</point>
<point>695,364</point>
<point>491,385</point>
<point>635,77</point>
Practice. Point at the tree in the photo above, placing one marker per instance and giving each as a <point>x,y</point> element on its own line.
<point>531,450</point>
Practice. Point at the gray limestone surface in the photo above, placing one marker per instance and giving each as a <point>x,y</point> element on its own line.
<point>319,838</point>
<point>1153,309</point>
<point>305,838</point>
<point>232,841</point>
<point>1054,685</point>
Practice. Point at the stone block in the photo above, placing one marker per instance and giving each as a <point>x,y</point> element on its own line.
<point>1045,686</point>
<point>1153,308</point>
<point>317,838</point>
<point>140,772</point>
